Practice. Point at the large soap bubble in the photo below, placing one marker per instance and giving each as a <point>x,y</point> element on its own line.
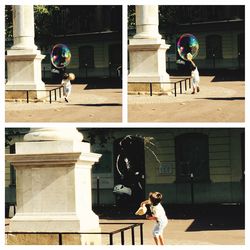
<point>60,56</point>
<point>186,44</point>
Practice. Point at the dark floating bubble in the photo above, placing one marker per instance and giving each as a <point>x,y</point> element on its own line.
<point>187,44</point>
<point>60,56</point>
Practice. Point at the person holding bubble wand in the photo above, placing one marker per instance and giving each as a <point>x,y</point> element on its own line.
<point>195,76</point>
<point>66,83</point>
<point>158,215</point>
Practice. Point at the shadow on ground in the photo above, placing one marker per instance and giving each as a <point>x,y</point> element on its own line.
<point>97,104</point>
<point>216,223</point>
<point>210,216</point>
<point>219,75</point>
<point>92,82</point>
<point>229,75</point>
<point>206,217</point>
<point>223,98</point>
<point>103,83</point>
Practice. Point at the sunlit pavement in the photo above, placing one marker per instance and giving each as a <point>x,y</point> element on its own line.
<point>178,232</point>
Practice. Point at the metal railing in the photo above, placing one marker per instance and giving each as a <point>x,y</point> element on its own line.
<point>180,81</point>
<point>53,90</point>
<point>185,80</point>
<point>131,226</point>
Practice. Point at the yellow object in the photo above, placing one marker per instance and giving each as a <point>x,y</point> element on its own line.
<point>71,76</point>
<point>189,56</point>
<point>141,210</point>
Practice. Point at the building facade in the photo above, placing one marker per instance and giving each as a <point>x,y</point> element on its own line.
<point>220,31</point>
<point>188,165</point>
<point>94,36</point>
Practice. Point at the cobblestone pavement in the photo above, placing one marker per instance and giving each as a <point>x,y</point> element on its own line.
<point>178,232</point>
<point>85,105</point>
<point>216,102</point>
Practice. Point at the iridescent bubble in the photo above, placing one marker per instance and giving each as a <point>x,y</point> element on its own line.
<point>187,43</point>
<point>60,56</point>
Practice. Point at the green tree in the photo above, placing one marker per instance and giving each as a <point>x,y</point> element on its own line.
<point>8,22</point>
<point>171,14</point>
<point>44,25</point>
<point>131,16</point>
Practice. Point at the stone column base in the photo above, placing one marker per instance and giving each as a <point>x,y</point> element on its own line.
<point>33,96</point>
<point>53,223</point>
<point>41,239</point>
<point>147,59</point>
<point>144,87</point>
<point>24,73</point>
<point>53,190</point>
<point>52,239</point>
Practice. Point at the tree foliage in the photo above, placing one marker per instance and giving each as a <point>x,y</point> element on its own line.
<point>131,16</point>
<point>174,15</point>
<point>43,15</point>
<point>8,22</point>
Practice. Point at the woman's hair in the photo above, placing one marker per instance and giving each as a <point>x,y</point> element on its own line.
<point>155,198</point>
<point>65,75</point>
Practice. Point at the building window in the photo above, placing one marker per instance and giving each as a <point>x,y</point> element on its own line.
<point>86,57</point>
<point>116,18</point>
<point>115,54</point>
<point>241,45</point>
<point>214,46</point>
<point>192,157</point>
<point>12,168</point>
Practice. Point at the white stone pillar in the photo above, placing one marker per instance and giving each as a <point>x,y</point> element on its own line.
<point>147,22</point>
<point>53,186</point>
<point>23,27</point>
<point>147,51</point>
<point>23,58</point>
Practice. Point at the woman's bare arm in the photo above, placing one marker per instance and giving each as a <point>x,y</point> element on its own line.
<point>192,63</point>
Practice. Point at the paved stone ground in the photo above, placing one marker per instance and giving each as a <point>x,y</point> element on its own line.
<point>220,101</point>
<point>188,225</point>
<point>85,105</point>
<point>207,224</point>
<point>178,232</point>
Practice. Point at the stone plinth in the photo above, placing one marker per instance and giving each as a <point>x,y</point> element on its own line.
<point>144,87</point>
<point>53,185</point>
<point>24,73</point>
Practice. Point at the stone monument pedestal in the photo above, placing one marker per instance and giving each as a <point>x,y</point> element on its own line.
<point>53,190</point>
<point>147,64</point>
<point>24,73</point>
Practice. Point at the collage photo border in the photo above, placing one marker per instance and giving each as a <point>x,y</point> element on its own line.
<point>124,124</point>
